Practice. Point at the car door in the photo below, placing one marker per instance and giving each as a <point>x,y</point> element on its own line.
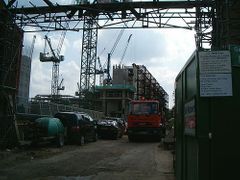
<point>91,127</point>
<point>82,124</point>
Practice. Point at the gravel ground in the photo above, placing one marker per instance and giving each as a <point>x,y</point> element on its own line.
<point>101,160</point>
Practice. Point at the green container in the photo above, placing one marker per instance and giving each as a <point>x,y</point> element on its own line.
<point>53,125</point>
<point>207,119</point>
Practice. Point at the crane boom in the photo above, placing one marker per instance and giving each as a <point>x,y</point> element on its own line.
<point>110,55</point>
<point>32,47</point>
<point>116,42</point>
<point>124,52</point>
<point>59,47</point>
<point>50,46</point>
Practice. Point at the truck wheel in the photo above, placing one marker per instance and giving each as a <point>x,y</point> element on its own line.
<point>60,140</point>
<point>131,138</point>
<point>115,136</point>
<point>159,138</point>
<point>34,143</point>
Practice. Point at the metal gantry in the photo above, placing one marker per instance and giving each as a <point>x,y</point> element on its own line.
<point>157,14</point>
<point>198,15</point>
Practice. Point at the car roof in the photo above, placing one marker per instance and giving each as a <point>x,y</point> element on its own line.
<point>72,113</point>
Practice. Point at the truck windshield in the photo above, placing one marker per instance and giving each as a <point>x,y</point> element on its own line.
<point>144,108</point>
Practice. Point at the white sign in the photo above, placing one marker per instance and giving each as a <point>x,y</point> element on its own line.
<point>215,85</point>
<point>214,62</point>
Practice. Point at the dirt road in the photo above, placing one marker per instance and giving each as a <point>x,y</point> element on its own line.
<point>101,160</point>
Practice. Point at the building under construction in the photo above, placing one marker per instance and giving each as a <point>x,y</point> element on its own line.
<point>128,83</point>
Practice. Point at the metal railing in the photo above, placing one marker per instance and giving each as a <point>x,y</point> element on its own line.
<point>50,109</point>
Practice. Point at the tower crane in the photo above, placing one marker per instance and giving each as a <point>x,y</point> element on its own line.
<point>106,70</point>
<point>56,58</point>
<point>100,71</point>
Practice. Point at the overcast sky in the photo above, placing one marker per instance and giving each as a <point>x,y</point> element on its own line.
<point>162,51</point>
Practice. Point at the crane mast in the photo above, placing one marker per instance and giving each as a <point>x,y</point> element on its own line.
<point>56,58</point>
<point>89,55</point>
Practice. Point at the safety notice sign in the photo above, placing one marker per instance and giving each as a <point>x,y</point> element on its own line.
<point>215,85</point>
<point>215,73</point>
<point>214,62</point>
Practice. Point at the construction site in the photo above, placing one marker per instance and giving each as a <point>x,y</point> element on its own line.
<point>106,89</point>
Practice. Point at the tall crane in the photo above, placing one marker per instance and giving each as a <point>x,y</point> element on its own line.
<point>106,70</point>
<point>100,71</point>
<point>56,58</point>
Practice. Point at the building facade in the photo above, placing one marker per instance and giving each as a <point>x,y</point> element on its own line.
<point>24,84</point>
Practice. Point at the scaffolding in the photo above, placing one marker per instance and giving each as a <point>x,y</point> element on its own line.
<point>226,29</point>
<point>10,58</point>
<point>148,87</point>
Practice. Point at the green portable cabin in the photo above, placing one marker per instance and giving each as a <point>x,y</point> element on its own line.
<point>207,100</point>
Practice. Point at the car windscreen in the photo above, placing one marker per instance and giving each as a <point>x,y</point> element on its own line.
<point>144,108</point>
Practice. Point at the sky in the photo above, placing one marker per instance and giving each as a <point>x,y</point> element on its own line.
<point>162,51</point>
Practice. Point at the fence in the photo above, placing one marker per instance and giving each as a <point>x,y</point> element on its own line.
<point>49,109</point>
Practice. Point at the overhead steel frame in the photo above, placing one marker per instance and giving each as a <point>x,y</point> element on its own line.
<point>196,15</point>
<point>166,14</point>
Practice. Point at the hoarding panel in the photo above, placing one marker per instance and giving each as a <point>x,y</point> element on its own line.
<point>235,55</point>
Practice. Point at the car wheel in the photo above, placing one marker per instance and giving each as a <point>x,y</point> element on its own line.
<point>82,141</point>
<point>34,143</point>
<point>115,136</point>
<point>60,140</point>
<point>131,138</point>
<point>95,138</point>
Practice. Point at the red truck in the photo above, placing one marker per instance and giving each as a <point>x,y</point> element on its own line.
<point>145,119</point>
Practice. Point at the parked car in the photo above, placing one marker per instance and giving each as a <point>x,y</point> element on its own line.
<point>79,127</point>
<point>46,129</point>
<point>121,123</point>
<point>110,128</point>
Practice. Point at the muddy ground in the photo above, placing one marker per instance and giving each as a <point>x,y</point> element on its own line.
<point>101,160</point>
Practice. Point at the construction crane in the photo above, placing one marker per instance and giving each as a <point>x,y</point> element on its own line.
<point>125,49</point>
<point>56,58</point>
<point>106,70</point>
<point>100,71</point>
